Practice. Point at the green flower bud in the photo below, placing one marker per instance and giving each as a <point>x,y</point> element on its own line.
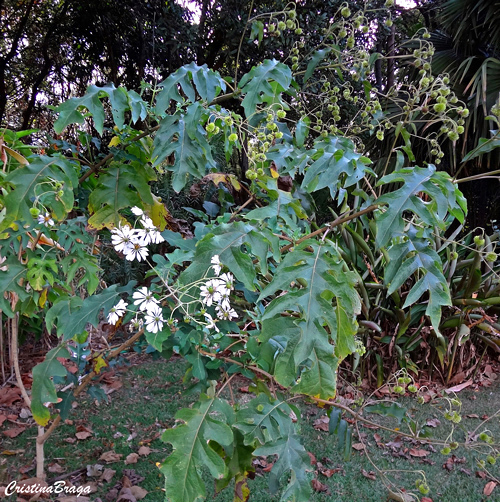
<point>388,22</point>
<point>412,388</point>
<point>453,135</point>
<point>491,460</point>
<point>298,31</point>
<point>424,489</point>
<point>389,3</point>
<point>281,114</point>
<point>446,450</point>
<point>478,241</point>
<point>210,127</point>
<point>365,29</point>
<point>453,445</point>
<point>251,175</point>
<point>491,257</point>
<point>380,135</point>
<point>292,14</point>
<point>439,107</point>
<point>460,129</point>
<point>290,24</point>
<point>346,12</point>
<point>271,28</point>
<point>398,389</point>
<point>342,33</point>
<point>35,212</point>
<point>453,255</point>
<point>233,137</point>
<point>281,25</point>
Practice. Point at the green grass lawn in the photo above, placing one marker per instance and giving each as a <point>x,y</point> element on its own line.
<point>152,392</point>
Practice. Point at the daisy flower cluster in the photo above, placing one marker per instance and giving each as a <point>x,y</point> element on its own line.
<point>148,304</point>
<point>216,292</point>
<point>133,242</point>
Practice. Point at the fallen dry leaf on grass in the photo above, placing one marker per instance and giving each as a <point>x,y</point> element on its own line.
<point>358,446</point>
<point>9,395</point>
<point>3,418</point>
<point>56,468</point>
<point>131,459</point>
<point>107,475</point>
<point>318,486</point>
<point>330,472</point>
<point>321,424</point>
<point>488,489</point>
<point>458,388</point>
<point>14,432</point>
<point>369,475</point>
<point>144,451</point>
<point>433,422</point>
<point>83,435</point>
<point>110,456</point>
<point>414,452</point>
<point>138,492</point>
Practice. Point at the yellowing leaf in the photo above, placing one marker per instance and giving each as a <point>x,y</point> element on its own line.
<point>115,141</point>
<point>274,173</point>
<point>43,298</point>
<point>98,364</point>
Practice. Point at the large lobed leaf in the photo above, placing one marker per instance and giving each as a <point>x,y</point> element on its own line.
<point>193,449</point>
<point>10,279</point>
<point>336,166</point>
<point>29,181</point>
<point>120,99</point>
<point>414,255</point>
<point>444,197</point>
<point>182,136</point>
<point>121,186</point>
<point>208,85</point>
<point>256,84</point>
<point>327,303</point>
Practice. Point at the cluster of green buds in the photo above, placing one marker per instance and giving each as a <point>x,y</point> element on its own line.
<point>263,138</point>
<point>451,414</point>
<point>446,450</point>
<point>284,20</point>
<point>223,121</point>
<point>404,382</point>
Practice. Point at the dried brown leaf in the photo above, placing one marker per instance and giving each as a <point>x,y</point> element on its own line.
<point>131,458</point>
<point>144,451</point>
<point>318,486</point>
<point>488,489</point>
<point>110,456</point>
<point>369,475</point>
<point>14,432</point>
<point>414,452</point>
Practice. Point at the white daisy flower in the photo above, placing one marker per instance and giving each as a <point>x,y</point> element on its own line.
<point>136,251</point>
<point>154,320</point>
<point>225,312</point>
<point>227,282</point>
<point>216,264</point>
<point>45,220</point>
<point>149,234</point>
<point>211,323</point>
<point>122,238</point>
<point>117,311</point>
<point>137,211</point>
<point>145,299</point>
<point>210,292</point>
